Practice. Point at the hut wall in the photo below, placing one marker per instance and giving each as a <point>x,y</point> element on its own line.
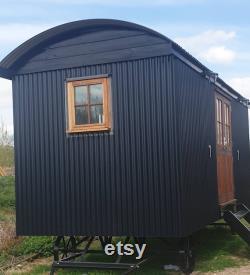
<point>194,98</point>
<point>240,135</point>
<point>120,183</point>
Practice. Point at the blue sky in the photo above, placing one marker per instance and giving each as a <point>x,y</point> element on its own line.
<point>215,32</point>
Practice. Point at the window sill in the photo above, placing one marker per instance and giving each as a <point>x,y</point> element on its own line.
<point>88,129</point>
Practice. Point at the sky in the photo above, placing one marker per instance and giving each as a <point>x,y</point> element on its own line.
<point>215,32</point>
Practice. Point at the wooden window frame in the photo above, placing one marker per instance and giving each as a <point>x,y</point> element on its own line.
<point>224,124</point>
<point>92,127</point>
<point>219,121</point>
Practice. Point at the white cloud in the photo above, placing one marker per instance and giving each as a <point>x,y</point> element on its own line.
<point>210,46</point>
<point>12,35</point>
<point>219,55</point>
<point>241,84</point>
<point>207,38</point>
<point>6,103</point>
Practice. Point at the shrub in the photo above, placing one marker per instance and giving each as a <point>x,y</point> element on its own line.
<point>32,245</point>
<point>7,194</point>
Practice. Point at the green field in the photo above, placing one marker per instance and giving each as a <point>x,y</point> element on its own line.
<point>215,248</point>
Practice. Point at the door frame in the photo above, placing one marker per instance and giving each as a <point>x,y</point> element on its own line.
<point>225,100</point>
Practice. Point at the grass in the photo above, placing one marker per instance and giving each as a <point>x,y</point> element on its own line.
<point>32,245</point>
<point>7,193</point>
<point>40,269</point>
<point>16,247</point>
<point>215,248</point>
<point>7,156</point>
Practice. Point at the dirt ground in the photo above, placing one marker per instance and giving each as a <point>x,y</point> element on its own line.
<point>245,270</point>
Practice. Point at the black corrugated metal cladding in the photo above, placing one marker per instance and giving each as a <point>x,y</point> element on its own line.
<point>195,131</point>
<point>241,152</point>
<point>120,183</point>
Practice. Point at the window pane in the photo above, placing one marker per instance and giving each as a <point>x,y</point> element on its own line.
<point>219,133</point>
<point>227,135</point>
<point>82,115</point>
<point>226,114</point>
<point>81,95</point>
<point>96,94</point>
<point>219,110</point>
<point>96,114</point>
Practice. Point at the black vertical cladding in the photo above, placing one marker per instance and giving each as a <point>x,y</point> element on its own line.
<point>119,183</point>
<point>152,174</point>
<point>195,132</point>
<point>241,152</point>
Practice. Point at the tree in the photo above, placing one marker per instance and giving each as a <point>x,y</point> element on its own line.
<point>5,138</point>
<point>6,147</point>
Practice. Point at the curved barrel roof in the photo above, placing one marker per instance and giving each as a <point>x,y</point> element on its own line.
<point>15,60</point>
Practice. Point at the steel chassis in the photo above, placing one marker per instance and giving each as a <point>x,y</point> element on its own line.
<point>70,252</point>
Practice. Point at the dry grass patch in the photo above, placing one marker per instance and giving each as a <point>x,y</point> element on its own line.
<point>7,235</point>
<point>28,268</point>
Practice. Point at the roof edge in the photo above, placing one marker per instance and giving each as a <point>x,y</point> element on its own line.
<point>15,58</point>
<point>210,75</point>
<point>5,73</point>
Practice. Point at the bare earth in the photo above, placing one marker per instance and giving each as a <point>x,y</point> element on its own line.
<point>229,271</point>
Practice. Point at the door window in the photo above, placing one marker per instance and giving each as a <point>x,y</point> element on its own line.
<point>223,124</point>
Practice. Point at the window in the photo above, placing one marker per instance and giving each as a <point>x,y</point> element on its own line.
<point>219,122</point>
<point>223,114</point>
<point>227,126</point>
<point>88,105</point>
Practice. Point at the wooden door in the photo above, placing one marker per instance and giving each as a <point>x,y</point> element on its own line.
<point>224,150</point>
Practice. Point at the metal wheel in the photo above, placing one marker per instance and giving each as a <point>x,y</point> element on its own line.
<point>188,263</point>
<point>187,260</point>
